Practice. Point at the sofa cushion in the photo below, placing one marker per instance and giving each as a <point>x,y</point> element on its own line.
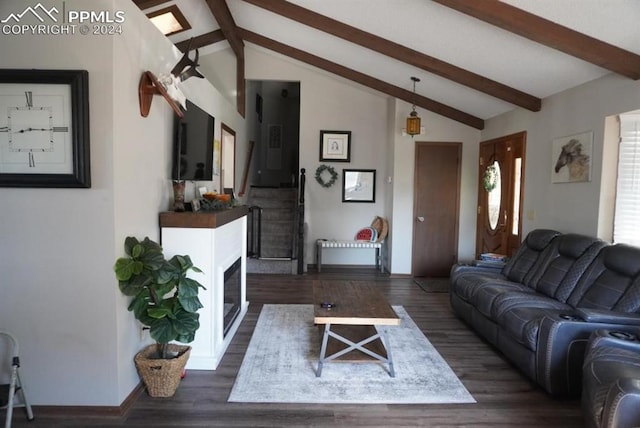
<point>563,264</point>
<point>485,296</point>
<point>467,284</point>
<point>522,264</point>
<point>611,282</point>
<point>466,281</point>
<point>523,323</point>
<point>511,301</point>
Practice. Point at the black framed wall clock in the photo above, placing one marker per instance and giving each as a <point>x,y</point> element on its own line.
<point>44,128</point>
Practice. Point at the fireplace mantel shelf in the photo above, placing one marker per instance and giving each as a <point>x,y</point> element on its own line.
<point>202,219</point>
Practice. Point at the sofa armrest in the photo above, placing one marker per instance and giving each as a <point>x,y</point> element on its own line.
<point>610,317</point>
<point>622,406</point>
<point>562,343</point>
<point>629,339</point>
<point>460,269</point>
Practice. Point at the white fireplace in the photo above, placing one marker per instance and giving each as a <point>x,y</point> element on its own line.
<point>216,247</point>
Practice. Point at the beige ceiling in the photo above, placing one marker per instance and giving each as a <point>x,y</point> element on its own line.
<point>487,61</point>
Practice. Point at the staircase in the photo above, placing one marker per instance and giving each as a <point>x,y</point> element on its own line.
<point>278,228</point>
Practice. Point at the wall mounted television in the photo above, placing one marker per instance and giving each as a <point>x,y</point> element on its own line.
<point>193,145</point>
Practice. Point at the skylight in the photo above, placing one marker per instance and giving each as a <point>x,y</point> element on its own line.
<point>169,20</point>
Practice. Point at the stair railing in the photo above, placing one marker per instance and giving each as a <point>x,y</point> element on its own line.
<point>301,186</point>
<point>254,237</point>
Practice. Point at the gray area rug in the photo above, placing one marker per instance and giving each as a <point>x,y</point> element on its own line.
<point>281,361</point>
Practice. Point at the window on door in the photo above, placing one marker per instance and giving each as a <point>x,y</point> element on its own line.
<point>626,224</point>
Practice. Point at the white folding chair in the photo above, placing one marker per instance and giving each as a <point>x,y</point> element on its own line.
<point>8,392</point>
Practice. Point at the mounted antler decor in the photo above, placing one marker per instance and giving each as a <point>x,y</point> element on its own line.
<point>167,84</point>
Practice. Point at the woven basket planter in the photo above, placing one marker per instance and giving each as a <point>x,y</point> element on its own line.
<point>160,376</point>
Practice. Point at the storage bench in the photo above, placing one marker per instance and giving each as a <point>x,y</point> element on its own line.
<point>322,244</point>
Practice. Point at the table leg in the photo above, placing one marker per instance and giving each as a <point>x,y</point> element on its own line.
<point>323,349</point>
<point>351,346</point>
<point>385,341</point>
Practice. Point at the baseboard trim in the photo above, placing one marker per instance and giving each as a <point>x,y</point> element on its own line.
<point>401,275</point>
<point>336,266</point>
<point>105,412</point>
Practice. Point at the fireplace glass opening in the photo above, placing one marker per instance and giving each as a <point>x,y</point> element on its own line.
<point>232,290</point>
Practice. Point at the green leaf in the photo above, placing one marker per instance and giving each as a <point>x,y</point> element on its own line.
<point>165,276</point>
<point>158,313</point>
<point>188,287</point>
<point>134,285</point>
<point>126,268</point>
<point>190,303</point>
<point>186,323</point>
<point>162,330</point>
<point>164,289</point>
<point>152,259</point>
<point>139,306</point>
<point>137,251</point>
<point>186,338</point>
<point>129,243</point>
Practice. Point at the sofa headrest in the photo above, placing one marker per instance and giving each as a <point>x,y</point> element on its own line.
<point>539,239</point>
<point>573,245</point>
<point>623,259</point>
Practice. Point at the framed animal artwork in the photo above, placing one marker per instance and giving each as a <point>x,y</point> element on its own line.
<point>571,158</point>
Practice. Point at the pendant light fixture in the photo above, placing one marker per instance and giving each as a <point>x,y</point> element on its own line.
<point>413,121</point>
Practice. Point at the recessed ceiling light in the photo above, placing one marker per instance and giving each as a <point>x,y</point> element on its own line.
<point>169,20</point>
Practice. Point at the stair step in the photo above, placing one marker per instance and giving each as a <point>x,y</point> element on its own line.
<point>275,214</point>
<point>272,266</point>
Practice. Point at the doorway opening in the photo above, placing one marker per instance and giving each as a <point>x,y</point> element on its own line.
<point>273,115</point>
<point>500,194</point>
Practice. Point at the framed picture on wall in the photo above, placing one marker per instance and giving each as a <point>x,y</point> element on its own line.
<point>571,158</point>
<point>44,128</point>
<point>335,146</point>
<point>358,185</point>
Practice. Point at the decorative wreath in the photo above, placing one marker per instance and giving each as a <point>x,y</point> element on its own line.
<point>490,178</point>
<point>334,175</point>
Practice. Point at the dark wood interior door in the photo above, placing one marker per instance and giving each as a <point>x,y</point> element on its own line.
<point>499,226</point>
<point>436,208</point>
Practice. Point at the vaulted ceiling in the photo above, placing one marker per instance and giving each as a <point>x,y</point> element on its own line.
<point>475,59</point>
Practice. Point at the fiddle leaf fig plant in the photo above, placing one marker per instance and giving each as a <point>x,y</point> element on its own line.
<point>164,299</point>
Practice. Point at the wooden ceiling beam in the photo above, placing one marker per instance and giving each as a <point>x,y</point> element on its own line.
<point>202,40</point>
<point>363,79</point>
<point>146,4</point>
<point>548,33</point>
<point>223,17</point>
<point>399,52</point>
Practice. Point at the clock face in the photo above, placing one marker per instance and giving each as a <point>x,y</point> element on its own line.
<point>35,124</point>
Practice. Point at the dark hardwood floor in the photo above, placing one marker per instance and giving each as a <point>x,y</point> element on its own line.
<point>505,398</point>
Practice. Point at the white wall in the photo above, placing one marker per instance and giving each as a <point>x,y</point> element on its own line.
<point>567,207</point>
<point>58,246</point>
<point>439,129</point>
<point>58,293</point>
<point>330,102</point>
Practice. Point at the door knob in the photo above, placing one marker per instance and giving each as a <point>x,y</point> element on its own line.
<point>420,219</point>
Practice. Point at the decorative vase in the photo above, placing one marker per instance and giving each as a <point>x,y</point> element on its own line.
<point>178,195</point>
<point>162,376</point>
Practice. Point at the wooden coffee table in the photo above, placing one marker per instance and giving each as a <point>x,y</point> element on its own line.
<point>350,332</point>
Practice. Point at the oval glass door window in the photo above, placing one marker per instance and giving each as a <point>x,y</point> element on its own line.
<point>494,198</point>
